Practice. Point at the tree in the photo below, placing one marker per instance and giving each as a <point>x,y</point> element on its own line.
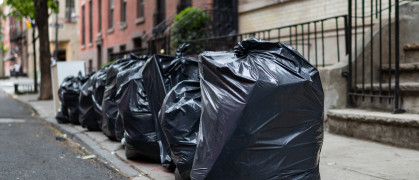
<point>38,10</point>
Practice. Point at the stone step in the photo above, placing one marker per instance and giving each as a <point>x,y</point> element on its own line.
<point>403,86</point>
<point>411,51</point>
<point>409,97</point>
<point>402,67</point>
<point>408,72</point>
<point>400,130</point>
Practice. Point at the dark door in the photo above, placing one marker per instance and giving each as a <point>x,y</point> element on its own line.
<point>225,17</point>
<point>99,56</point>
<point>160,14</point>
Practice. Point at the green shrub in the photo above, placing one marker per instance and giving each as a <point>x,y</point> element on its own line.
<point>189,24</point>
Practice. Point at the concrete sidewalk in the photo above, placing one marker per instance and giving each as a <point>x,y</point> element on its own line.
<point>341,157</point>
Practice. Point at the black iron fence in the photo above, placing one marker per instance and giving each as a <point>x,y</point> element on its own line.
<point>119,55</point>
<point>375,46</point>
<point>25,88</point>
<point>220,22</point>
<point>323,42</point>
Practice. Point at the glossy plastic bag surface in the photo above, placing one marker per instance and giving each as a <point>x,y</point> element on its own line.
<point>88,117</point>
<point>68,94</point>
<point>262,114</point>
<point>140,138</point>
<point>179,118</point>
<point>109,106</point>
<point>98,91</point>
<point>161,73</point>
<point>125,72</point>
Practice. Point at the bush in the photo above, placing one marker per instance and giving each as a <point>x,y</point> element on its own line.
<point>189,24</point>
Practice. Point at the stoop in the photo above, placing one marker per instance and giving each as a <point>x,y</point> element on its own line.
<point>401,130</point>
<point>373,120</point>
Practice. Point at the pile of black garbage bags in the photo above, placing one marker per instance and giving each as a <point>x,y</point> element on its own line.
<point>255,113</point>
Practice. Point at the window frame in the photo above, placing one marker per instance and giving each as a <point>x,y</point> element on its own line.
<point>83,25</point>
<point>140,8</point>
<point>70,8</point>
<point>123,11</point>
<point>90,22</point>
<point>99,16</point>
<point>111,14</point>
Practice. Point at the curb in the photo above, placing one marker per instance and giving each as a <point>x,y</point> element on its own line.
<point>108,159</point>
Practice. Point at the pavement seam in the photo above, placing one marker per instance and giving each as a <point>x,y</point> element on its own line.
<point>118,164</point>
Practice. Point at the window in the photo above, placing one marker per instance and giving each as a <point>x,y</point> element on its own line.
<point>110,51</point>
<point>69,9</point>
<point>183,4</point>
<point>90,22</point>
<point>111,8</point>
<point>140,8</point>
<point>90,66</point>
<point>83,26</point>
<point>99,15</point>
<point>122,48</point>
<point>123,11</point>
<point>137,43</point>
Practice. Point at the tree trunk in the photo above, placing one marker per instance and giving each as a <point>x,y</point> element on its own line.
<point>41,18</point>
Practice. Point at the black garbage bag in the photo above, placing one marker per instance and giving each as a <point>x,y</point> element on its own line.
<point>68,94</point>
<point>262,114</point>
<point>109,106</point>
<point>125,71</point>
<point>98,91</point>
<point>140,138</point>
<point>179,118</point>
<point>161,73</point>
<point>88,117</point>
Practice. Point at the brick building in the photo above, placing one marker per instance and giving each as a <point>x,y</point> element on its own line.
<point>114,26</point>
<point>14,46</point>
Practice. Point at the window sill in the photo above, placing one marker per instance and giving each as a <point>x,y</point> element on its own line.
<point>139,20</point>
<point>99,34</point>
<point>122,25</point>
<point>110,30</point>
<point>82,47</point>
<point>90,45</point>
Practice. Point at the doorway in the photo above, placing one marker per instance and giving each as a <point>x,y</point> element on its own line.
<point>99,56</point>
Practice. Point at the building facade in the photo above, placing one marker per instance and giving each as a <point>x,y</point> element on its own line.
<point>113,26</point>
<point>14,46</point>
<point>68,19</point>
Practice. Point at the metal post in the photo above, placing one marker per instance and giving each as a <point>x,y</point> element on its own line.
<point>397,54</point>
<point>56,35</point>
<point>1,61</point>
<point>35,76</point>
<point>381,53</point>
<point>349,30</point>
<point>372,51</point>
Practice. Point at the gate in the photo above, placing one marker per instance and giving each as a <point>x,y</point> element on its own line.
<point>366,72</point>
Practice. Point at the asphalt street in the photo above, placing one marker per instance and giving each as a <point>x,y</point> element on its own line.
<point>30,149</point>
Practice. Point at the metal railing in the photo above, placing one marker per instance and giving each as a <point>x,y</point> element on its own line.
<point>119,55</point>
<point>25,88</point>
<point>366,72</point>
<point>215,26</point>
<point>312,39</point>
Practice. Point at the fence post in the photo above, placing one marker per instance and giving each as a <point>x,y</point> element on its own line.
<point>397,108</point>
<point>349,51</point>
